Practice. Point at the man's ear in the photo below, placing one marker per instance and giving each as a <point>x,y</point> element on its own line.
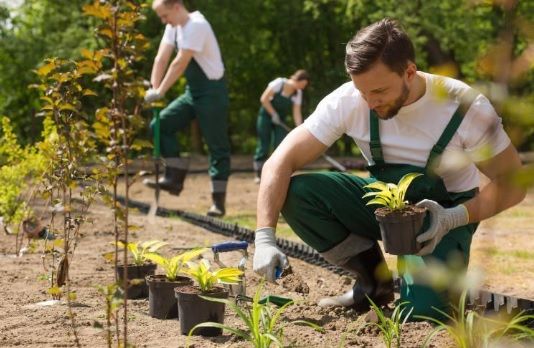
<point>411,71</point>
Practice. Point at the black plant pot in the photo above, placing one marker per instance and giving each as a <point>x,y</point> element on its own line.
<point>400,228</point>
<point>194,310</point>
<point>136,275</point>
<point>161,298</point>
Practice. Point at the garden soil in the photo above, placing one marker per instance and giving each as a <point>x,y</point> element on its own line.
<point>502,249</point>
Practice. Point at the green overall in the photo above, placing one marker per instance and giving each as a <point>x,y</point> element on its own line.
<point>268,132</point>
<point>324,208</point>
<point>207,100</point>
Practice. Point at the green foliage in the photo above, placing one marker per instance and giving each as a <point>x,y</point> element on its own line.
<point>456,37</point>
<point>469,329</point>
<point>114,301</point>
<point>207,279</point>
<point>263,327</point>
<point>139,250</point>
<point>35,30</point>
<point>391,327</point>
<point>174,266</point>
<point>388,194</point>
<point>19,168</point>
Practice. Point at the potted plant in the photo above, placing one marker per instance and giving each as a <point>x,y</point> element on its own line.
<point>162,301</point>
<point>400,222</point>
<point>140,267</point>
<point>193,309</point>
<point>261,324</point>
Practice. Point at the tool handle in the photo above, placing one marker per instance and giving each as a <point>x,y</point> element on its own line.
<point>229,246</point>
<point>157,152</point>
<point>278,272</point>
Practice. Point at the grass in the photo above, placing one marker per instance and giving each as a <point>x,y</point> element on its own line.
<point>519,254</point>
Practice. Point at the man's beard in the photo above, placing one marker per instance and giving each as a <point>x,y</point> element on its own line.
<point>397,104</point>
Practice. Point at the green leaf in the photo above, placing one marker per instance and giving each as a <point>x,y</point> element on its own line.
<point>377,185</point>
<point>379,201</point>
<point>405,182</point>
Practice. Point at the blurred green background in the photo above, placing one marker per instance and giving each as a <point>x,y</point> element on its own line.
<point>488,43</point>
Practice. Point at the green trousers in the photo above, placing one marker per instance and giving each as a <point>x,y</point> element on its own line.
<point>324,208</point>
<point>211,111</point>
<point>269,136</point>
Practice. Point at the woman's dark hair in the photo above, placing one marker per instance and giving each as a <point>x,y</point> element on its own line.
<point>300,75</point>
<point>383,41</point>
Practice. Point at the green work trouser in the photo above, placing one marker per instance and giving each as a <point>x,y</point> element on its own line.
<point>269,134</point>
<point>211,111</point>
<point>324,208</point>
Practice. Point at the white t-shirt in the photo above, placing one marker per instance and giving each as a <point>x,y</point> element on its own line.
<point>277,84</point>
<point>197,35</point>
<point>410,135</point>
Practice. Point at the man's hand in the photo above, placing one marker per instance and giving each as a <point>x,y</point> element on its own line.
<point>267,256</point>
<point>441,222</point>
<point>152,95</point>
<point>275,118</point>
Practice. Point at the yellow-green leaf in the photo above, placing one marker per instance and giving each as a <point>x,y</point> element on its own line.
<point>378,201</point>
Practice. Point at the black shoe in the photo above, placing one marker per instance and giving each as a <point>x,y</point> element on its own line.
<point>172,180</point>
<point>374,279</point>
<point>217,208</point>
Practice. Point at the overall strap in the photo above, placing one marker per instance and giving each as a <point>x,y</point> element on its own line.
<point>374,143</point>
<point>465,103</point>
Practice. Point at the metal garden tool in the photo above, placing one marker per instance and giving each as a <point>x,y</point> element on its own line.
<point>157,157</point>
<point>240,246</point>
<point>329,159</point>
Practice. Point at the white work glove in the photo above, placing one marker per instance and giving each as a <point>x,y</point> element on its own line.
<point>442,220</point>
<point>152,95</point>
<point>267,255</point>
<point>275,118</point>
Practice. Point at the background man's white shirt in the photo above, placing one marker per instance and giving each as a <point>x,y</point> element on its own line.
<point>198,36</point>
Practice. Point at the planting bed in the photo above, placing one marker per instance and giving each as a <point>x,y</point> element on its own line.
<point>502,248</point>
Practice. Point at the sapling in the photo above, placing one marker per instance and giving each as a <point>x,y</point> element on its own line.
<point>67,148</point>
<point>390,195</point>
<point>391,326</point>
<point>206,279</point>
<point>174,266</point>
<point>470,329</point>
<point>118,122</point>
<point>261,322</point>
<point>140,250</point>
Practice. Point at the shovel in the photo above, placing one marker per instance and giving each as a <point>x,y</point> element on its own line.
<point>329,159</point>
<point>155,203</point>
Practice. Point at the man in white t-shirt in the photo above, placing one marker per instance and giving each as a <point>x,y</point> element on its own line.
<point>403,120</point>
<point>205,98</point>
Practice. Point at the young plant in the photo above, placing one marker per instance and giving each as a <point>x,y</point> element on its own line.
<point>20,168</point>
<point>391,327</point>
<point>261,321</point>
<point>390,195</point>
<point>207,279</point>
<point>470,329</point>
<point>118,121</point>
<point>139,250</point>
<point>174,266</point>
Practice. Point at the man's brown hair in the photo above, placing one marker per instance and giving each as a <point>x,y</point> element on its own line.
<point>383,41</point>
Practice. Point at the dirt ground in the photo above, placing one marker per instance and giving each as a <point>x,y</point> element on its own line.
<point>502,250</point>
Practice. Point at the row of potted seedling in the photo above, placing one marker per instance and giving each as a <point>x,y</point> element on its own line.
<point>179,292</point>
